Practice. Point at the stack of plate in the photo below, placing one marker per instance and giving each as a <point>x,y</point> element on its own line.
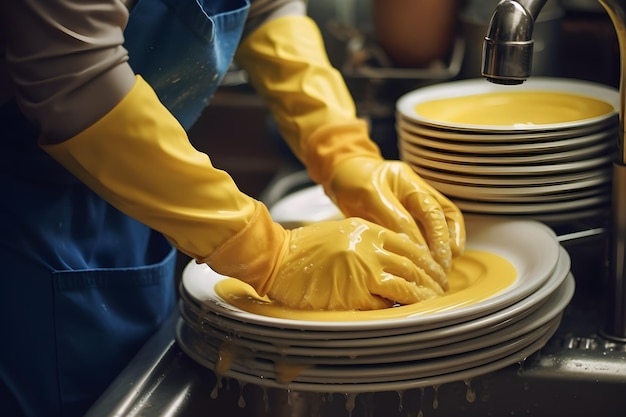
<point>387,354</point>
<point>542,150</point>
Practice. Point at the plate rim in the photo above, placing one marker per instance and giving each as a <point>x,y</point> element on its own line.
<point>499,300</point>
<point>418,346</point>
<point>460,88</point>
<point>359,388</point>
<point>429,331</point>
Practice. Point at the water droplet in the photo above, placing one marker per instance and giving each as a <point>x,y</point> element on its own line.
<point>216,388</point>
<point>350,403</point>
<point>436,398</point>
<point>400,401</point>
<point>470,395</point>
<point>266,401</point>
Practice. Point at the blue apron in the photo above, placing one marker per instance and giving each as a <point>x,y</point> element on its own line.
<point>82,285</point>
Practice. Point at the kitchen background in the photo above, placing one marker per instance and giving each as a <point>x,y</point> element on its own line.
<point>573,39</point>
<point>385,48</point>
<point>577,374</point>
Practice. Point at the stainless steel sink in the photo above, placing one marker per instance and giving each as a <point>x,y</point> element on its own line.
<point>577,373</point>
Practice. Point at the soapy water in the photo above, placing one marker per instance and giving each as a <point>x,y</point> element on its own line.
<point>474,277</point>
<point>519,109</point>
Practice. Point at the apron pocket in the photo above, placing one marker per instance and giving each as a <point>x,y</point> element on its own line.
<point>102,318</point>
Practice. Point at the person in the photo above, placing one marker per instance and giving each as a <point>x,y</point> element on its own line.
<point>101,185</point>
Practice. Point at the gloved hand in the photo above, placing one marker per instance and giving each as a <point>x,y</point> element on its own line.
<point>287,64</point>
<point>348,264</point>
<point>139,159</point>
<point>391,194</point>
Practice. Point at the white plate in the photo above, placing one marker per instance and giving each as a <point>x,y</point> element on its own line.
<point>568,188</point>
<point>556,191</point>
<point>494,208</point>
<point>406,104</point>
<point>464,193</point>
<point>513,138</point>
<point>510,170</point>
<point>433,336</point>
<point>349,372</point>
<point>516,181</point>
<point>306,206</point>
<point>523,196</point>
<point>594,215</point>
<point>372,373</point>
<point>204,359</point>
<point>507,147</point>
<point>477,158</point>
<point>556,219</point>
<point>394,348</point>
<point>533,251</point>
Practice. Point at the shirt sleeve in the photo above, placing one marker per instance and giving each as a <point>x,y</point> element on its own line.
<point>65,61</point>
<point>262,11</point>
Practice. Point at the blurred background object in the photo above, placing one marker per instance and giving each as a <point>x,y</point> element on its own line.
<point>415,33</point>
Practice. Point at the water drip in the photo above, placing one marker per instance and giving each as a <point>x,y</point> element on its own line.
<point>400,401</point>
<point>436,398</point>
<point>470,395</point>
<point>350,403</point>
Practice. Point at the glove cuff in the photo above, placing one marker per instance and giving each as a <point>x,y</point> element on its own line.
<point>263,242</point>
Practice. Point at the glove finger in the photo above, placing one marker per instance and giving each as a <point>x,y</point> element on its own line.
<point>456,229</point>
<point>344,294</point>
<point>401,291</point>
<point>430,215</point>
<point>392,215</point>
<point>454,220</point>
<point>402,267</point>
<point>373,302</point>
<point>404,258</point>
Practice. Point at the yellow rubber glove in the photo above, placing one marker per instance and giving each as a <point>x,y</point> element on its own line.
<point>390,193</point>
<point>287,64</point>
<point>139,159</point>
<point>348,264</point>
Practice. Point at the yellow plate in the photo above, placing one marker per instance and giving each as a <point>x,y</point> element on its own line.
<point>539,104</point>
<point>525,108</point>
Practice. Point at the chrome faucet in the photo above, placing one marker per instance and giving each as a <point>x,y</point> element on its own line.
<point>507,59</point>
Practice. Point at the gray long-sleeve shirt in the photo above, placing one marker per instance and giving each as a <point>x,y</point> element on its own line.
<point>65,63</point>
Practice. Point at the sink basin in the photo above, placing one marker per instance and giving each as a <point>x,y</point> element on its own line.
<point>577,373</point>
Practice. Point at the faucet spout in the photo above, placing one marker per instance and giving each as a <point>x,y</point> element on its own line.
<point>507,59</point>
<point>508,46</point>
